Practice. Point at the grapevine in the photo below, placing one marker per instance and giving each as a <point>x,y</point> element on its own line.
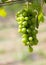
<point>28,18</point>
<point>28,23</point>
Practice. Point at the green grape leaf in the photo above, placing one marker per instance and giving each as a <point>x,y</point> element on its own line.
<point>41,17</point>
<point>37,5</point>
<point>3,12</point>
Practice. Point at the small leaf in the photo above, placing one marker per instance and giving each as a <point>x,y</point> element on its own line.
<point>3,12</point>
<point>41,17</point>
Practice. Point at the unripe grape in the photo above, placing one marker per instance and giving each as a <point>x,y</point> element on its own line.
<point>32,27</point>
<point>34,32</point>
<point>24,40</point>
<point>18,13</point>
<point>29,30</point>
<point>24,23</point>
<point>24,30</point>
<point>20,26</point>
<point>26,18</point>
<point>20,22</point>
<point>30,38</point>
<point>21,18</point>
<point>30,48</point>
<point>24,36</point>
<point>18,19</point>
<point>19,30</point>
<point>24,14</point>
<point>28,43</point>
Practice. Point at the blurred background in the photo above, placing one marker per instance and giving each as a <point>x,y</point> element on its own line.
<point>12,50</point>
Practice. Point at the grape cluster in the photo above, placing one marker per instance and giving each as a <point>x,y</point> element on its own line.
<point>28,26</point>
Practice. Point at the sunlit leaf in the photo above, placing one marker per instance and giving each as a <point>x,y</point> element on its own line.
<point>41,17</point>
<point>3,12</point>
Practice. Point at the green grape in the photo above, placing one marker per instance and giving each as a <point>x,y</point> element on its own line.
<point>24,40</point>
<point>26,18</point>
<point>24,23</point>
<point>20,26</point>
<point>24,36</point>
<point>18,13</point>
<point>21,18</point>
<point>20,22</point>
<point>28,43</point>
<point>24,30</point>
<point>32,27</point>
<point>24,14</point>
<point>18,19</point>
<point>30,38</point>
<point>34,32</point>
<point>29,30</point>
<point>30,48</point>
<point>19,30</point>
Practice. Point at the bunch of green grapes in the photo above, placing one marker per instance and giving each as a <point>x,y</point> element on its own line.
<point>28,26</point>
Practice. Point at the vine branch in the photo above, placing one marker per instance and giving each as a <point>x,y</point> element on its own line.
<point>10,3</point>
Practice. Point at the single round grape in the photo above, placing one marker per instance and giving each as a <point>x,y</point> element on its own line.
<point>28,43</point>
<point>30,49</point>
<point>34,32</point>
<point>18,19</point>
<point>30,38</point>
<point>24,23</point>
<point>19,30</point>
<point>26,18</point>
<point>20,26</point>
<point>21,18</point>
<point>18,13</point>
<point>24,40</point>
<point>32,27</point>
<point>29,30</point>
<point>24,14</point>
<point>24,36</point>
<point>20,22</point>
<point>24,30</point>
